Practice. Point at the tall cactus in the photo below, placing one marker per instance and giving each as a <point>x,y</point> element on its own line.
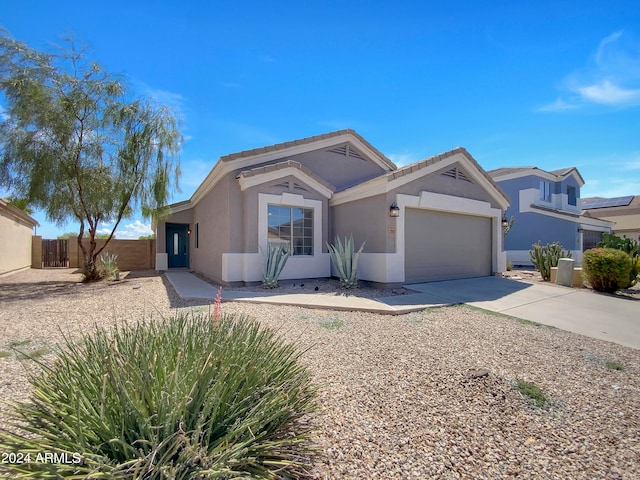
<point>277,256</point>
<point>345,260</point>
<point>545,257</point>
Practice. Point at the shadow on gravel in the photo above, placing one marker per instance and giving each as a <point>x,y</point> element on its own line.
<point>29,291</point>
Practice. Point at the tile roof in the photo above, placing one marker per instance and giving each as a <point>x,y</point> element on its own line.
<point>286,164</point>
<point>437,158</point>
<point>560,173</point>
<point>305,141</point>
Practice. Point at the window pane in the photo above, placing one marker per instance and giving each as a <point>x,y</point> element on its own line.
<point>176,243</point>
<point>292,226</point>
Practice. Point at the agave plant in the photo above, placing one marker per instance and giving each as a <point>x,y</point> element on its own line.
<point>108,265</point>
<point>345,260</point>
<point>277,256</point>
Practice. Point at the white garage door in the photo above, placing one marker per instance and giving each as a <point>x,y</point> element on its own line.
<point>445,246</point>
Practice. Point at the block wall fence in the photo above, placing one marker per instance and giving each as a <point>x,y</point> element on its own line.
<point>132,254</point>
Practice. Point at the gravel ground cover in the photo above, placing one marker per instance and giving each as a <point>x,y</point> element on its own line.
<point>425,395</point>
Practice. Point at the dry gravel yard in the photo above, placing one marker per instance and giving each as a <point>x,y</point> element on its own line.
<point>397,399</point>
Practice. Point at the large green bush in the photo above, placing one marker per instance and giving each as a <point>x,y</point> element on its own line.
<point>176,398</point>
<point>606,269</point>
<point>628,246</point>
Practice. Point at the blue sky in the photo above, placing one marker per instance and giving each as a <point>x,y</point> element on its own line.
<point>549,83</point>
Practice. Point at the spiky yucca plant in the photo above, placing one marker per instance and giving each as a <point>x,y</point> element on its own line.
<point>175,398</point>
<point>277,256</point>
<point>345,260</point>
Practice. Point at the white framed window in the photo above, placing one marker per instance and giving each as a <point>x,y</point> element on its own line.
<point>291,226</point>
<point>545,191</point>
<point>306,241</point>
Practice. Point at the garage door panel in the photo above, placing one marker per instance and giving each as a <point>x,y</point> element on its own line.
<point>445,246</point>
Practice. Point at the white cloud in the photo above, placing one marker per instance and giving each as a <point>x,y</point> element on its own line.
<point>611,77</point>
<point>607,93</point>
<point>402,159</point>
<point>174,100</point>
<point>127,231</point>
<point>558,106</point>
<point>133,230</point>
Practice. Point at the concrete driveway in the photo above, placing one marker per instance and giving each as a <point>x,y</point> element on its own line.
<point>606,317</point>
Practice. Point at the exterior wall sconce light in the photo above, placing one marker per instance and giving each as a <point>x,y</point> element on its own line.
<point>189,232</point>
<point>505,222</point>
<point>394,210</point>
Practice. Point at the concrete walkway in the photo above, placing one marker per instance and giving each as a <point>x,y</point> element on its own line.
<point>577,310</point>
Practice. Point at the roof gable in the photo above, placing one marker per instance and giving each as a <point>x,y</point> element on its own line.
<point>470,171</point>
<point>509,173</point>
<point>348,140</point>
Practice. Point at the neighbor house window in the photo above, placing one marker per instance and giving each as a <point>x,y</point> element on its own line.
<point>291,226</point>
<point>571,195</point>
<point>545,190</point>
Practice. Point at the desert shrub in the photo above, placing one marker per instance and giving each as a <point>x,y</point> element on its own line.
<point>547,256</point>
<point>606,269</point>
<point>175,398</point>
<point>532,393</point>
<point>276,258</point>
<point>108,265</point>
<point>345,260</point>
<point>628,246</point>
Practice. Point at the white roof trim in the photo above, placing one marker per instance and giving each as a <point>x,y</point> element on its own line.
<point>383,184</point>
<point>261,178</point>
<point>222,168</point>
<point>536,172</point>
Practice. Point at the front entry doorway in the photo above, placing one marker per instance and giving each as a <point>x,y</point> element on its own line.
<point>177,245</point>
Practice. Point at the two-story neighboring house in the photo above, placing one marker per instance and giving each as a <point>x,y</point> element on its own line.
<point>546,207</point>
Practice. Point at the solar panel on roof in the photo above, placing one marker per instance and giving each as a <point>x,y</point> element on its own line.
<point>607,202</point>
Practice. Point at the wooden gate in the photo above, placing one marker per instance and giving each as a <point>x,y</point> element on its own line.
<point>55,253</point>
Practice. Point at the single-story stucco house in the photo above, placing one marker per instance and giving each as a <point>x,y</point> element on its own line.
<point>436,219</point>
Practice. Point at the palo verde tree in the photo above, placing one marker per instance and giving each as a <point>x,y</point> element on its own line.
<point>74,143</point>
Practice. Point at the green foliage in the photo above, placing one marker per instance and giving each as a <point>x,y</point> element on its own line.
<point>108,265</point>
<point>345,261</point>
<point>177,398</point>
<point>22,204</point>
<point>509,265</point>
<point>628,246</point>
<point>276,258</point>
<point>532,392</point>
<point>147,237</point>
<point>507,228</point>
<point>547,256</point>
<point>614,365</point>
<point>332,323</point>
<point>606,269</point>
<point>75,146</point>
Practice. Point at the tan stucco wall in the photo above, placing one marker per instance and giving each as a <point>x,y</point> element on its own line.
<point>368,221</point>
<point>212,214</point>
<point>132,254</point>
<point>339,170</point>
<point>438,183</point>
<point>15,243</point>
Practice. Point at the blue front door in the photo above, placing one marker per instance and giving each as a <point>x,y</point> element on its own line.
<point>177,245</point>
